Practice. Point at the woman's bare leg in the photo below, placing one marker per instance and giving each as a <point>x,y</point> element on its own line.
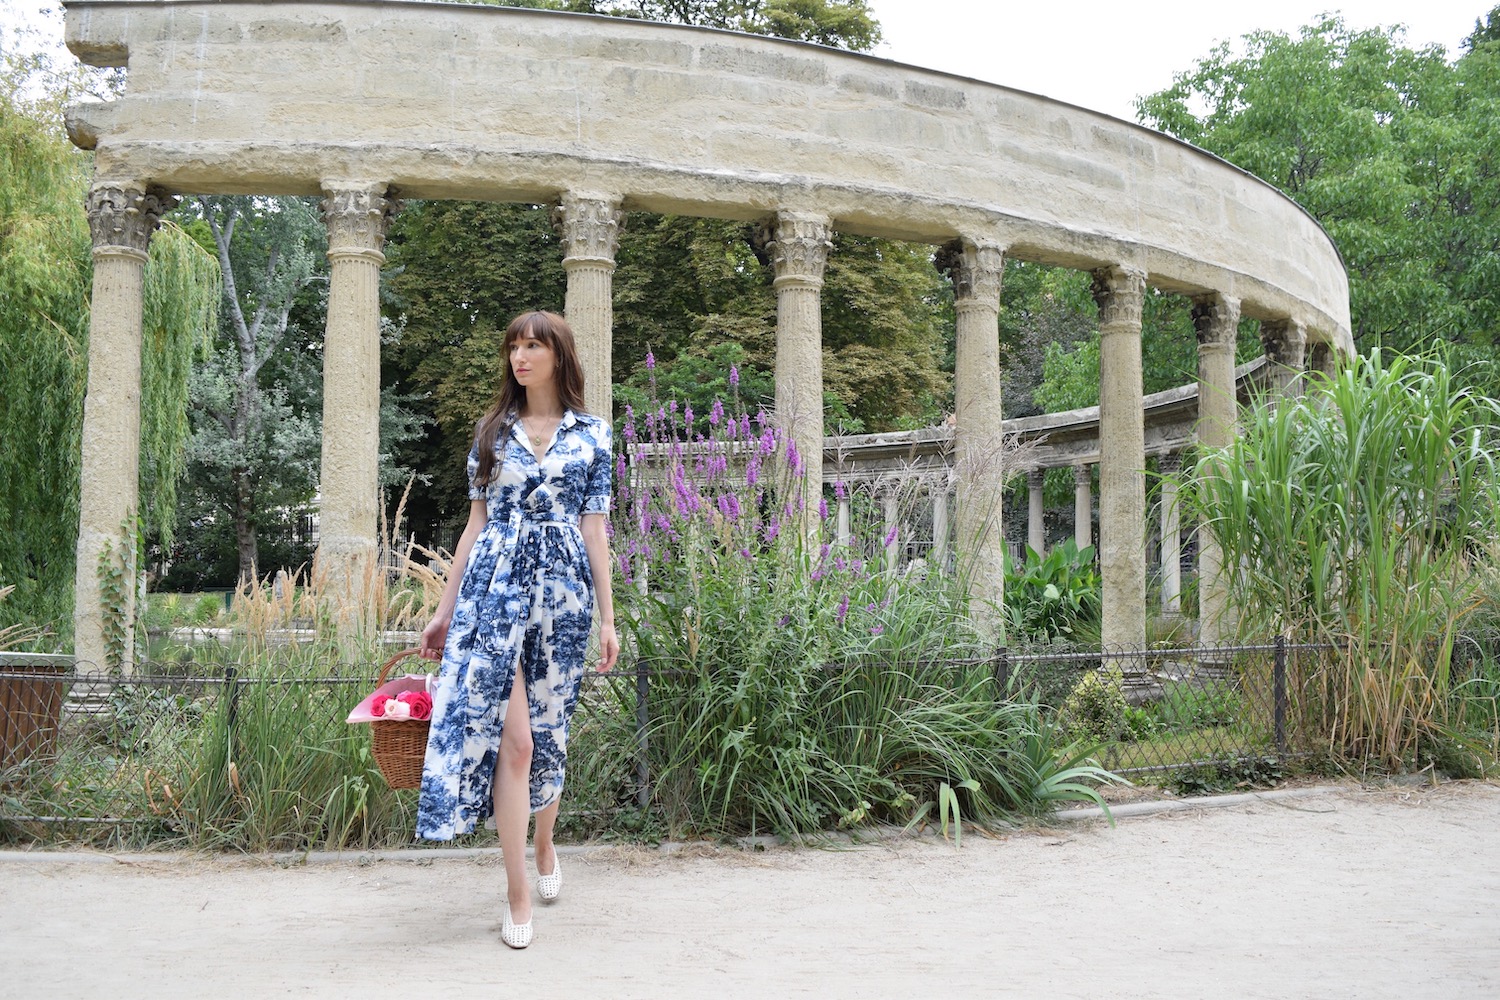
<point>546,856</point>
<point>513,798</point>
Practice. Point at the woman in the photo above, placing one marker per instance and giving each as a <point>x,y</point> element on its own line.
<point>535,558</point>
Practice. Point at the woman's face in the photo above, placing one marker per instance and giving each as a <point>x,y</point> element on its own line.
<point>532,361</point>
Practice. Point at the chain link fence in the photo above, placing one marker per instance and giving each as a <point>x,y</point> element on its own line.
<point>200,758</point>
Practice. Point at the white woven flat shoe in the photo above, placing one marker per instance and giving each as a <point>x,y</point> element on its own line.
<point>548,886</point>
<point>513,934</point>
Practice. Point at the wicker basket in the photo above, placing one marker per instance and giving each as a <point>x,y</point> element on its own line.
<point>400,745</point>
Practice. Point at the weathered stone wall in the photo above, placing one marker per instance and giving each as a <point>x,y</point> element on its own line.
<point>445,101</point>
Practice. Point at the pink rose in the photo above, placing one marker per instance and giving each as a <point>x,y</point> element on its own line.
<point>377,707</point>
<point>396,710</point>
<point>420,703</point>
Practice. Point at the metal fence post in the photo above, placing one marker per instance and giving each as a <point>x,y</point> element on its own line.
<point>642,721</point>
<point>1278,694</point>
<point>1002,672</point>
<point>232,686</point>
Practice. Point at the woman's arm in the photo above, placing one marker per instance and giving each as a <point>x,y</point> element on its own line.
<point>596,544</point>
<point>436,632</point>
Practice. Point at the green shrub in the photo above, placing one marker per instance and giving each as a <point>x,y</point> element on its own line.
<point>1057,596</point>
<point>1095,709</point>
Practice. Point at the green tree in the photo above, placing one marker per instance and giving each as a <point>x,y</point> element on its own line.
<point>1390,148</point>
<point>46,278</point>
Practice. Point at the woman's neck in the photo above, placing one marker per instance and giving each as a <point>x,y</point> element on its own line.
<point>542,401</point>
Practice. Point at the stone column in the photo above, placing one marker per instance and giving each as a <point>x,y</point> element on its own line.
<point>1321,357</point>
<point>357,216</point>
<point>1171,535</point>
<point>1036,531</point>
<point>976,268</point>
<point>1285,344</point>
<point>1217,320</point>
<point>122,217</point>
<point>1120,292</point>
<point>939,558</point>
<point>892,531</point>
<point>590,227</point>
<point>799,247</point>
<point>1083,506</point>
<point>844,533</point>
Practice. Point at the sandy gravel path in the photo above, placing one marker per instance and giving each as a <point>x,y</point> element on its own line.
<point>1387,893</point>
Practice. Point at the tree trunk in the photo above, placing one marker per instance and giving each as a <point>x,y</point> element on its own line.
<point>244,525</point>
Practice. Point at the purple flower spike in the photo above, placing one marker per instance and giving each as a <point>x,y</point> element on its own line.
<point>734,376</point>
<point>890,536</point>
<point>745,426</point>
<point>822,507</point>
<point>843,610</point>
<point>650,361</point>
<point>716,414</point>
<point>839,492</point>
<point>746,553</point>
<point>687,414</point>
<point>752,470</point>
<point>876,630</point>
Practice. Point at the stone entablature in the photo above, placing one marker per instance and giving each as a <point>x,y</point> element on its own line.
<point>461,101</point>
<point>1052,440</point>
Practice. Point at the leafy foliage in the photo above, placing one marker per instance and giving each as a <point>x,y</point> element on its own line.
<point>1053,596</point>
<point>45,282</point>
<point>1355,516</point>
<point>1390,148</point>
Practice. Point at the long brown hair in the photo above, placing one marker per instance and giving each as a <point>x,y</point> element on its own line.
<point>552,330</point>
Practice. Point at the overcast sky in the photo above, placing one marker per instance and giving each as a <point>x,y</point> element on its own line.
<point>1102,54</point>
<point>1099,54</point>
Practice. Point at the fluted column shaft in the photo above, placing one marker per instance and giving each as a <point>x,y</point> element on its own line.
<point>590,227</point>
<point>1036,532</point>
<point>1285,344</point>
<point>976,267</point>
<point>122,217</point>
<point>1083,506</point>
<point>1171,535</point>
<point>799,248</point>
<point>357,217</point>
<point>1120,292</point>
<point>1216,319</point>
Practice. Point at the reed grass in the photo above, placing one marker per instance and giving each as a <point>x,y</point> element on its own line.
<point>1359,515</point>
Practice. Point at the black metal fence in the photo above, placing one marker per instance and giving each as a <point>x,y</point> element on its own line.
<point>163,756</point>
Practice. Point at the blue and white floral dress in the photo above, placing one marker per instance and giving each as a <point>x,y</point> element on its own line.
<point>526,600</point>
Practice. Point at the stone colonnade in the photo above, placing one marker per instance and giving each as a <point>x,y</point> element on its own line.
<point>358,214</point>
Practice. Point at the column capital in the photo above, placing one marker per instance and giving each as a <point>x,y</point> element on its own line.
<point>1169,464</point>
<point>1284,341</point>
<point>1216,318</point>
<point>357,215</point>
<point>1036,478</point>
<point>590,227</point>
<point>1120,291</point>
<point>1083,476</point>
<point>124,214</point>
<point>976,268</point>
<point>799,243</point>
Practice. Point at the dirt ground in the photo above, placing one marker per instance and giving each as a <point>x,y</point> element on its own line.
<point>1356,893</point>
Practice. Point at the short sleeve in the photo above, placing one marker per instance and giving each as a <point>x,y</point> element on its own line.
<point>596,496</point>
<point>476,492</point>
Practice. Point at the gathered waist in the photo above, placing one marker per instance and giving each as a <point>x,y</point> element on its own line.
<point>519,516</point>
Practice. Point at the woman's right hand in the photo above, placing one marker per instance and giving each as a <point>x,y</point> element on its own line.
<point>434,636</point>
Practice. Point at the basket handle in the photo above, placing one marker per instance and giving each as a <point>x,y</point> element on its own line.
<point>385,670</point>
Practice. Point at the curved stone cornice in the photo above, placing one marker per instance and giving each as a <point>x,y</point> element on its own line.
<point>799,247</point>
<point>1120,292</point>
<point>1216,318</point>
<point>590,228</point>
<point>358,217</point>
<point>976,269</point>
<point>123,215</point>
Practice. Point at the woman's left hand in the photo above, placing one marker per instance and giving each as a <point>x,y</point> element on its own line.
<point>609,647</point>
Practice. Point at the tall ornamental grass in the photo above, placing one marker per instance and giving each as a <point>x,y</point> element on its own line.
<point>1361,515</point>
<point>797,683</point>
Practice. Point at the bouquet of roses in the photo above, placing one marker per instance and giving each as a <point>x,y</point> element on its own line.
<point>415,705</point>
